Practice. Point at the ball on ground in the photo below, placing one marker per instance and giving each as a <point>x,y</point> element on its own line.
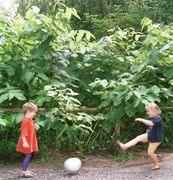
<point>72,165</point>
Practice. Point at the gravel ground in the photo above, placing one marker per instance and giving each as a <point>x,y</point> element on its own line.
<point>96,168</point>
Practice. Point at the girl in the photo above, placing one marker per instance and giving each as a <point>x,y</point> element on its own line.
<point>154,134</point>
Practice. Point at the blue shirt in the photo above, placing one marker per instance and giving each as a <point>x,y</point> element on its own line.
<point>155,133</point>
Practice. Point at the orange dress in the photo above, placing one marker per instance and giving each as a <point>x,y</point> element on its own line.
<point>27,130</point>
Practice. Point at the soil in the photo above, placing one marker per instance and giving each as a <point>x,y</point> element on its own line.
<point>96,167</point>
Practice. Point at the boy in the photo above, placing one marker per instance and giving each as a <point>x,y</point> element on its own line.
<point>27,143</point>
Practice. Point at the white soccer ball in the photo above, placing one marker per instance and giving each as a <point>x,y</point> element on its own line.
<point>72,165</point>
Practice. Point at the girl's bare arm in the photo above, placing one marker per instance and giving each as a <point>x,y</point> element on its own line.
<point>146,122</point>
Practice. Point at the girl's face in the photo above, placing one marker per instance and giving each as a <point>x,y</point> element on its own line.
<point>151,112</point>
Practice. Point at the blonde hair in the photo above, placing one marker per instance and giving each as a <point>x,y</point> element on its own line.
<point>29,106</point>
<point>153,106</point>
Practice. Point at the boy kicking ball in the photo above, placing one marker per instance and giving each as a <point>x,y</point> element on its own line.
<point>154,134</point>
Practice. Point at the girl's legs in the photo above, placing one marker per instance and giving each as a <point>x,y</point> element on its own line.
<point>151,149</point>
<point>141,138</point>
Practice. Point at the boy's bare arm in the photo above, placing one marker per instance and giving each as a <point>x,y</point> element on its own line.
<point>146,122</point>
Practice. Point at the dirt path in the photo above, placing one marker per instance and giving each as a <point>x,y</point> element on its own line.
<point>97,168</point>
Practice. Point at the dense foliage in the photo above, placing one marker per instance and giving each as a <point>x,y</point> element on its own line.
<point>100,16</point>
<point>44,60</point>
<point>34,57</point>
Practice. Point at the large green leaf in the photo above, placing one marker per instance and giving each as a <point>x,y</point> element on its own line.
<point>119,112</point>
<point>17,94</point>
<point>27,76</point>
<point>43,76</point>
<point>130,110</point>
<point>9,69</point>
<point>3,97</point>
<point>19,117</point>
<point>2,122</point>
<point>42,48</point>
